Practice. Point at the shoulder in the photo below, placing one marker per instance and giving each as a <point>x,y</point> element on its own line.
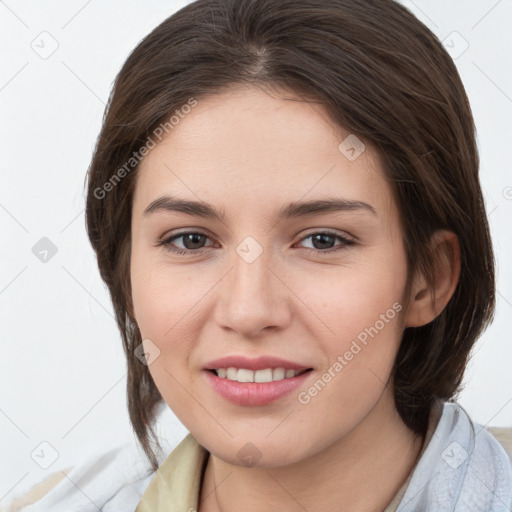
<point>463,466</point>
<point>485,462</point>
<point>111,480</point>
<point>36,492</point>
<point>504,436</point>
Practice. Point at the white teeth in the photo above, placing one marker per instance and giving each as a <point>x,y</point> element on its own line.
<point>262,375</point>
<point>278,374</point>
<point>266,375</point>
<point>245,375</point>
<point>232,374</point>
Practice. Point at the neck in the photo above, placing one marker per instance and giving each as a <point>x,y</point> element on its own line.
<point>361,471</point>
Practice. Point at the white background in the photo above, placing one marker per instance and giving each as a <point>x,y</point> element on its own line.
<point>62,369</point>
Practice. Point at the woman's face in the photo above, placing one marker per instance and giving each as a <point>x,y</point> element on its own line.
<point>320,288</point>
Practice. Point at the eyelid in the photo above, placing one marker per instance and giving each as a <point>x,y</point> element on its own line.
<point>328,231</point>
<point>176,233</point>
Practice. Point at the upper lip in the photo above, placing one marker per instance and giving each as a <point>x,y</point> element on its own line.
<point>259,363</point>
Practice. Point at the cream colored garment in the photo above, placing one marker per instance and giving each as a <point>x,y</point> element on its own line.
<point>177,480</point>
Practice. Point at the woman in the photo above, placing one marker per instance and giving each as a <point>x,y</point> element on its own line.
<point>285,205</point>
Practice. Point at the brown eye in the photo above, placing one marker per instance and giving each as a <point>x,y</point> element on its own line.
<point>192,241</point>
<point>324,242</point>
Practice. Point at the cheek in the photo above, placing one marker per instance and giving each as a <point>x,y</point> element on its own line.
<point>164,305</point>
<point>352,299</point>
<point>360,311</point>
<point>364,302</point>
<point>169,306</point>
<point>364,317</point>
<point>161,295</point>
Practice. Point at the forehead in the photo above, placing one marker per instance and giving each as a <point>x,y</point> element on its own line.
<point>260,147</point>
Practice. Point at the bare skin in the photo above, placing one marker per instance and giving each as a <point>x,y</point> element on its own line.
<point>328,478</point>
<point>249,153</point>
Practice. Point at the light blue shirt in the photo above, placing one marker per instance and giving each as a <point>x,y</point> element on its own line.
<point>463,469</point>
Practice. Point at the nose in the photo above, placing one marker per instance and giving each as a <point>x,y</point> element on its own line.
<point>253,297</point>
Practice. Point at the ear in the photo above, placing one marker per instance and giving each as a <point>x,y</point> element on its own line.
<point>427,301</point>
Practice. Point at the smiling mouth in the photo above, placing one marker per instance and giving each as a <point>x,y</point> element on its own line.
<point>258,376</point>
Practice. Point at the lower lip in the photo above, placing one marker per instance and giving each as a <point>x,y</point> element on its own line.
<point>254,393</point>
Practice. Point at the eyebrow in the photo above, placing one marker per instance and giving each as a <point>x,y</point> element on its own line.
<point>291,210</point>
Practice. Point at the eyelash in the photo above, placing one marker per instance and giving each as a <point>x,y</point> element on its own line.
<point>166,243</point>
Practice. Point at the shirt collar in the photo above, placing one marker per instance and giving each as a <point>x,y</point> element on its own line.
<point>177,480</point>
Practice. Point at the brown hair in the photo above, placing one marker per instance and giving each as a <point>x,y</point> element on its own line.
<point>382,75</point>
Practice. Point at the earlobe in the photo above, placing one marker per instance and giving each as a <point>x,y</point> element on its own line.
<point>428,300</point>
